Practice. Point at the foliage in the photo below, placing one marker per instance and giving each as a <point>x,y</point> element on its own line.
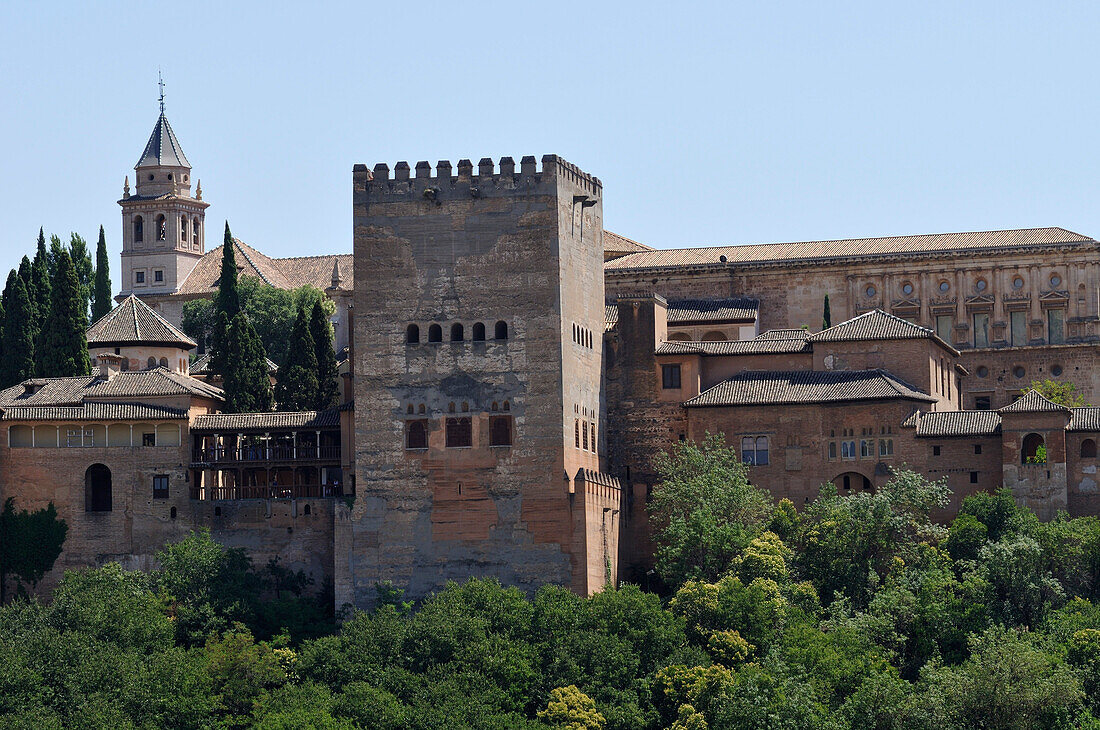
<point>706,511</point>
<point>296,387</point>
<point>40,284</point>
<point>571,709</point>
<point>826,315</point>
<point>101,288</point>
<point>1060,391</point>
<point>16,333</point>
<point>246,381</point>
<point>82,264</point>
<point>63,340</point>
<point>29,543</point>
<point>320,329</point>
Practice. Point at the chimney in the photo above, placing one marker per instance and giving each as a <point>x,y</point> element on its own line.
<point>109,365</point>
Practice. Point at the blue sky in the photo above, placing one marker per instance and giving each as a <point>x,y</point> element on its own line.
<point>709,123</point>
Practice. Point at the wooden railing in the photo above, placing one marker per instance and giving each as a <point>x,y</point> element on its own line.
<point>223,455</point>
<point>269,491</point>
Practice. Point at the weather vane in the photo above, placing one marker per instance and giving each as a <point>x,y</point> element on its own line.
<point>160,83</point>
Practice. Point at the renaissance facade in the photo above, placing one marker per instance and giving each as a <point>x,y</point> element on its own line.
<point>514,369</point>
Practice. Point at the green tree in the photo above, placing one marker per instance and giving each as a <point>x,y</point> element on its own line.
<point>245,380</point>
<point>82,263</point>
<point>64,350</point>
<point>296,389</point>
<point>40,288</point>
<point>704,510</point>
<point>17,334</point>
<point>826,315</point>
<point>226,301</point>
<point>101,292</point>
<point>328,384</point>
<point>29,543</point>
<point>571,709</point>
<point>1060,391</point>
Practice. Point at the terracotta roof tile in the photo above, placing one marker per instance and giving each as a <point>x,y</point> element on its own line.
<point>785,254</point>
<point>1033,402</point>
<point>682,311</point>
<point>757,346</point>
<point>133,321</point>
<point>201,366</point>
<point>93,412</point>
<point>287,273</point>
<point>873,325</point>
<point>778,388</point>
<point>130,384</point>
<point>260,421</point>
<point>614,243</point>
<point>1084,419</point>
<point>943,424</point>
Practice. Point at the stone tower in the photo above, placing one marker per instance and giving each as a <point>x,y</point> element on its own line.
<point>163,226</point>
<point>478,400</point>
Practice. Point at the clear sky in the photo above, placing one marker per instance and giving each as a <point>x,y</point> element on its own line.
<point>717,123</point>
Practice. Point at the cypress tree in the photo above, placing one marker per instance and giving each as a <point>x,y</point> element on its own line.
<point>296,388</point>
<point>54,257</point>
<point>826,315</point>
<point>25,273</point>
<point>228,302</point>
<point>39,291</point>
<point>82,262</point>
<point>101,293</point>
<point>328,385</point>
<point>64,338</point>
<point>16,336</point>
<point>245,381</point>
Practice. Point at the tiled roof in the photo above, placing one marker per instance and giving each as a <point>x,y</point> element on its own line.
<point>129,384</point>
<point>260,421</point>
<point>757,346</point>
<point>937,424</point>
<point>785,254</point>
<point>288,273</point>
<point>873,325</point>
<point>1084,419</point>
<point>712,310</point>
<point>201,366</point>
<point>133,321</point>
<point>614,243</point>
<point>163,149</point>
<point>783,334</point>
<point>776,388</point>
<point>1033,402</point>
<point>93,412</point>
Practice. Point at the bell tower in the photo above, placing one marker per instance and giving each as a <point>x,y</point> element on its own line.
<point>163,224</point>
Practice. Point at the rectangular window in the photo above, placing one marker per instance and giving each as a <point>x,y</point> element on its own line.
<point>886,447</point>
<point>973,477</point>
<point>935,451</point>
<point>754,450</point>
<point>577,433</point>
<point>866,448</point>
<point>584,435</point>
<point>148,439</point>
<point>416,434</point>
<point>832,451</point>
<point>981,403</point>
<point>1018,328</point>
<point>160,486</point>
<point>977,448</point>
<point>594,438</point>
<point>944,323</point>
<point>848,450</point>
<point>670,376</point>
<point>139,277</point>
<point>158,275</point>
<point>981,329</point>
<point>500,431</point>
<point>459,433</point>
<point>1056,326</point>
<point>77,437</point>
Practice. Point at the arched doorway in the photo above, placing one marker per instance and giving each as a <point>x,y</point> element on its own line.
<point>97,489</point>
<point>1034,450</point>
<point>852,481</point>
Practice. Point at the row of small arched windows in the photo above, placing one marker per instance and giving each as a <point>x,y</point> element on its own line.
<point>162,229</point>
<point>458,332</point>
<point>453,408</point>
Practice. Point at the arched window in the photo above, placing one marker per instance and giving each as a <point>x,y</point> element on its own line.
<point>195,233</point>
<point>507,406</point>
<point>1088,449</point>
<point>183,229</point>
<point>97,489</point>
<point>479,332</point>
<point>164,362</point>
<point>151,363</point>
<point>409,410</point>
<point>500,332</point>
<point>679,337</point>
<point>307,510</point>
<point>416,435</point>
<point>459,433</point>
<point>139,229</point>
<point>1034,450</point>
<point>457,333</point>
<point>435,333</point>
<point>172,513</point>
<point>412,334</point>
<point>162,228</point>
<point>500,431</point>
<point>713,337</point>
<point>421,408</point>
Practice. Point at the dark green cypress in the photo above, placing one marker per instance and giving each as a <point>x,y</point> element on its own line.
<point>228,302</point>
<point>40,284</point>
<point>54,257</point>
<point>296,388</point>
<point>246,381</point>
<point>85,272</point>
<point>25,273</point>
<point>17,335</point>
<point>328,383</point>
<point>826,315</point>
<point>64,338</point>
<point>101,293</point>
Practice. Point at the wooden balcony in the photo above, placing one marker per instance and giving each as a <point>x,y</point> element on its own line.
<point>252,455</point>
<point>269,491</point>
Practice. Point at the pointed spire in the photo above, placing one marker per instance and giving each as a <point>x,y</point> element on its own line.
<point>163,149</point>
<point>198,191</point>
<point>160,83</point>
<point>337,279</point>
<point>126,187</point>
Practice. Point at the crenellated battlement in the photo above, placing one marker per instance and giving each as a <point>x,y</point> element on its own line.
<point>445,179</point>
